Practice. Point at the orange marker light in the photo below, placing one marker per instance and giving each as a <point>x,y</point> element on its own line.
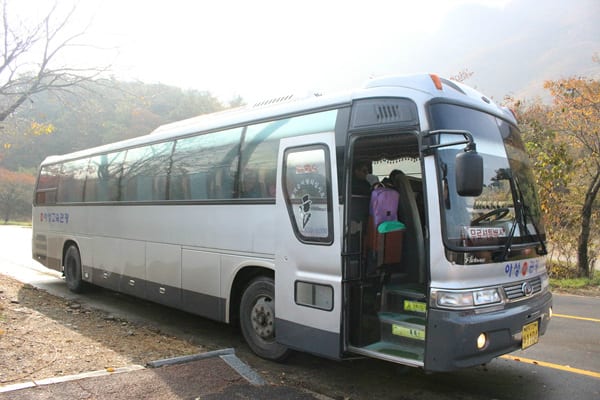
<point>436,81</point>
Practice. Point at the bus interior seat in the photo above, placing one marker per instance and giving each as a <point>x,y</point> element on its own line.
<point>413,255</point>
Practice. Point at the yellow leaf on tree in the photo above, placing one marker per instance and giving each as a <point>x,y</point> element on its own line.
<point>39,129</point>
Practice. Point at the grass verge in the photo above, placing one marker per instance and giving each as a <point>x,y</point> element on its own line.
<point>575,283</point>
<point>17,223</point>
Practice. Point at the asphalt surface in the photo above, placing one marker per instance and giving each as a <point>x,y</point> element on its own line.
<point>219,376</point>
<point>564,365</point>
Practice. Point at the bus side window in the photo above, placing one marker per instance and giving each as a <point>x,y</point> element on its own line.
<point>103,175</point>
<point>259,159</point>
<point>198,185</point>
<point>72,181</point>
<point>307,195</point>
<point>268,181</point>
<point>179,186</point>
<point>47,185</point>
<point>201,166</point>
<point>261,145</point>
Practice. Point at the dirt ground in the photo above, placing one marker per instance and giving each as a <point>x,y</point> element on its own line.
<point>44,336</point>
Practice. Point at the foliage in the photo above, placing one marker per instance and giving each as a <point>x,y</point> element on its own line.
<point>575,283</point>
<point>15,194</point>
<point>96,113</point>
<point>563,140</point>
<point>23,223</point>
<point>576,117</point>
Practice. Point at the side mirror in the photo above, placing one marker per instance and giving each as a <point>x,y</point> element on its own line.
<point>469,173</point>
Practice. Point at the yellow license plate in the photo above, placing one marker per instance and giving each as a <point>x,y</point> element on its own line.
<point>415,306</point>
<point>413,333</point>
<point>530,334</point>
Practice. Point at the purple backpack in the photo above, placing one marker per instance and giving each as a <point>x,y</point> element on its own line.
<point>384,205</point>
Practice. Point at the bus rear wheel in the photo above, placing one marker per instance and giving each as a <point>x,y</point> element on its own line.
<point>257,320</point>
<point>72,270</point>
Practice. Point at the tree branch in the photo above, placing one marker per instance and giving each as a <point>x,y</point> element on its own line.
<point>43,41</point>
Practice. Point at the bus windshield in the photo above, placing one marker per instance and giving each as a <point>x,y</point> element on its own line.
<point>507,212</point>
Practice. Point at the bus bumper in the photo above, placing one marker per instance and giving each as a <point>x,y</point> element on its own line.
<point>452,335</point>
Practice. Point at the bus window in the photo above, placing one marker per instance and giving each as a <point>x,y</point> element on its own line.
<point>204,166</point>
<point>145,172</point>
<point>306,173</point>
<point>91,180</point>
<point>72,181</point>
<point>259,158</point>
<point>47,185</point>
<point>261,143</point>
<point>103,176</point>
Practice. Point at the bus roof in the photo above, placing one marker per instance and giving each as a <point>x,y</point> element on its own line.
<point>429,85</point>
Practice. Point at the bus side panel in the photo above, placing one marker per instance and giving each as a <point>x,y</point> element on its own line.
<point>163,273</point>
<point>201,282</point>
<point>86,252</point>
<point>54,252</point>
<point>119,264</point>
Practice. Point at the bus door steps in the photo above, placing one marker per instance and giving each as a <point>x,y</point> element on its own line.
<point>411,291</point>
<point>405,351</point>
<point>407,299</point>
<point>402,328</point>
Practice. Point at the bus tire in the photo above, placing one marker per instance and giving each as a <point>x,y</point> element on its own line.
<point>72,270</point>
<point>257,320</point>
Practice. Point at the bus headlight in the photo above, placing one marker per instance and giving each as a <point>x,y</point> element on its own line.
<point>486,296</point>
<point>455,299</point>
<point>467,299</point>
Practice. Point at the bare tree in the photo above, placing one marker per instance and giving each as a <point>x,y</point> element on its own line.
<point>462,75</point>
<point>30,57</point>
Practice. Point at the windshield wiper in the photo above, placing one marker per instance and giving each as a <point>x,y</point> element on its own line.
<point>526,212</point>
<point>522,211</point>
<point>509,240</point>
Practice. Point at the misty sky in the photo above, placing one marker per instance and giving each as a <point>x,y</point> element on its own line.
<point>262,48</point>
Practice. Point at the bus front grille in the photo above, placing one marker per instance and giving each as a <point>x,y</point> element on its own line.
<point>519,290</point>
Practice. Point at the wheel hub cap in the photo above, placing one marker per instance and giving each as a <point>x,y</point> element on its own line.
<point>263,318</point>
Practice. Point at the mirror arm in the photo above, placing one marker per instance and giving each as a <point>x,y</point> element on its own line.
<point>470,143</point>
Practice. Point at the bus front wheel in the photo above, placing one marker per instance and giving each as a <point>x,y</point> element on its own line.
<point>72,270</point>
<point>257,320</point>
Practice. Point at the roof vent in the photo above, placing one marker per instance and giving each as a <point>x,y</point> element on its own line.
<point>374,112</point>
<point>276,100</point>
<point>387,113</point>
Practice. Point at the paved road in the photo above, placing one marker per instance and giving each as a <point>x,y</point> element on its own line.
<point>565,364</point>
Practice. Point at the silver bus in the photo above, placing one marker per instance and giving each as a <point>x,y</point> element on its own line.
<point>266,216</point>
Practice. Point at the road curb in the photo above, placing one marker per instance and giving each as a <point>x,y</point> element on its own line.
<point>185,359</point>
<point>227,355</point>
<point>243,369</point>
<point>68,378</point>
